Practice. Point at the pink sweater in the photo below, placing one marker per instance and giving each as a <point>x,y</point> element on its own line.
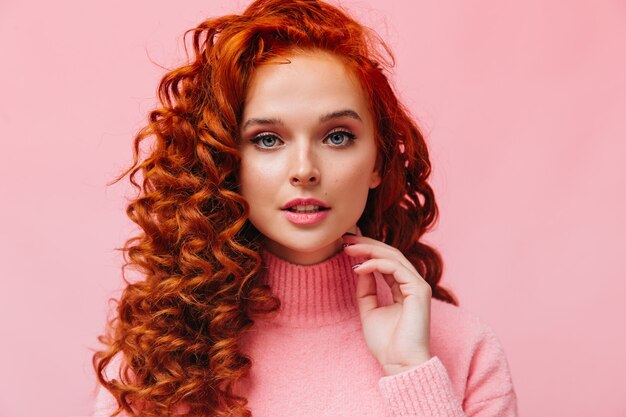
<point>312,359</point>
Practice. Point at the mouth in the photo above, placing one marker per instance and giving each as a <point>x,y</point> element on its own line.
<point>308,209</point>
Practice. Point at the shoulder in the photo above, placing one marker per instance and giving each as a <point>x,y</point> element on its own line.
<point>459,330</point>
<point>471,352</point>
<point>455,323</point>
<point>448,320</point>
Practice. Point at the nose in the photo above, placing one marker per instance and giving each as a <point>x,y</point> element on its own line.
<point>305,169</point>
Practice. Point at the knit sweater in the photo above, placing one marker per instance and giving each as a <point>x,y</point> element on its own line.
<point>312,359</point>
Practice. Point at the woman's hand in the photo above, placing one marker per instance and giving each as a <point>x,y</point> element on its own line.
<point>398,335</point>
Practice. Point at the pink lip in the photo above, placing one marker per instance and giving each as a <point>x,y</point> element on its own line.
<point>305,218</point>
<point>304,201</point>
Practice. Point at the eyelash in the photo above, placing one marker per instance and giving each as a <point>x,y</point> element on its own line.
<point>351,137</point>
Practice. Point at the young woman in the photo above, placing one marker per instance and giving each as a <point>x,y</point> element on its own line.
<point>281,212</point>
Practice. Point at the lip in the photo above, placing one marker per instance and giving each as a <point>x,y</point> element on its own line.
<point>304,201</point>
<point>305,218</point>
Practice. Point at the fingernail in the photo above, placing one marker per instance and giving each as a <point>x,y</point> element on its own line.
<point>356,266</point>
<point>349,233</point>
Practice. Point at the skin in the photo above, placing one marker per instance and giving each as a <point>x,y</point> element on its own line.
<point>304,157</point>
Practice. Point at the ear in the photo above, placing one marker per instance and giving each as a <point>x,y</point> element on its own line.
<point>376,178</point>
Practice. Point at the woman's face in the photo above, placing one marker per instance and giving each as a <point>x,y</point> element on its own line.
<point>306,132</point>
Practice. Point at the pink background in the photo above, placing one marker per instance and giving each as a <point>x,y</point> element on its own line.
<point>524,107</point>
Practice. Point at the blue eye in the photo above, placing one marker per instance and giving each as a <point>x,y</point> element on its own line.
<point>264,137</point>
<point>339,138</point>
<point>338,134</point>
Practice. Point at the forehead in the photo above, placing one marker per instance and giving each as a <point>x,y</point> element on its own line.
<point>312,80</point>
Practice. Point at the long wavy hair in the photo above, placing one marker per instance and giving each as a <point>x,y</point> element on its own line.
<point>178,327</point>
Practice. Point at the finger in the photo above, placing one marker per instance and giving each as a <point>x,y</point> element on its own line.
<point>375,249</point>
<point>395,287</point>
<point>408,282</point>
<point>368,247</point>
<point>396,293</point>
<point>366,293</point>
<point>384,251</point>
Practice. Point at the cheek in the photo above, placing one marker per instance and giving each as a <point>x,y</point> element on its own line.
<point>350,191</point>
<point>353,179</point>
<point>258,178</point>
<point>247,178</point>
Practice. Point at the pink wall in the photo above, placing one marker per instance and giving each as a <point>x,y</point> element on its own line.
<point>524,106</point>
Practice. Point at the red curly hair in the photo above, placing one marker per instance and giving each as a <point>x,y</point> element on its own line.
<point>177,329</point>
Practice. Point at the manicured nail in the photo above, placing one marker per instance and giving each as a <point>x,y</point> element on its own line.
<point>356,266</point>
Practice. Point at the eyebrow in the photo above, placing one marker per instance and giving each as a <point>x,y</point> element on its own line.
<point>324,118</point>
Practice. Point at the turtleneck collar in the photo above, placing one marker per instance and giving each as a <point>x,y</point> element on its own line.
<point>313,295</point>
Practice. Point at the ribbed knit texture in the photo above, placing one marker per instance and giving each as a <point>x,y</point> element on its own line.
<point>312,360</point>
<point>313,295</point>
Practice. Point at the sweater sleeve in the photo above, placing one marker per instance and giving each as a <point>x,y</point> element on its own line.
<point>426,390</point>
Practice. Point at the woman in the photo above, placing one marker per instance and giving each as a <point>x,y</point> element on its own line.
<point>281,211</point>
